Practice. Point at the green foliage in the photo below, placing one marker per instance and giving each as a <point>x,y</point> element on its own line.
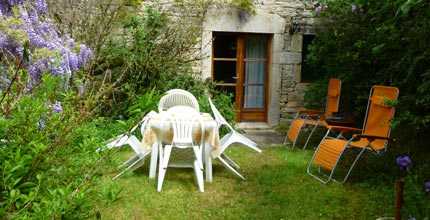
<point>246,5</point>
<point>149,52</point>
<point>417,203</point>
<point>367,43</point>
<point>144,104</point>
<point>315,95</point>
<point>110,192</point>
<point>48,158</point>
<point>379,42</point>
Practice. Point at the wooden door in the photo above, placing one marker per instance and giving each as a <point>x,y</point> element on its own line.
<point>240,67</point>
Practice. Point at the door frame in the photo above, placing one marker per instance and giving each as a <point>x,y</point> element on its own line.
<point>256,114</point>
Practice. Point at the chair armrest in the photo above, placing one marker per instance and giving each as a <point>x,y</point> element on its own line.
<point>343,129</point>
<point>310,111</point>
<point>372,137</point>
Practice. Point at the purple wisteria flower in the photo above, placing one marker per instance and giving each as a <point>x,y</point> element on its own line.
<point>427,186</point>
<point>4,41</point>
<point>61,54</point>
<point>56,107</point>
<point>41,6</point>
<point>404,162</point>
<point>15,2</point>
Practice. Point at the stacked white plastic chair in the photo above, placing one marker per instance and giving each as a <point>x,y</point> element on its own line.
<point>183,143</point>
<point>177,97</point>
<point>232,137</point>
<point>140,152</point>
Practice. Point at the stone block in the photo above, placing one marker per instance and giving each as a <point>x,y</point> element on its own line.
<point>296,43</point>
<point>290,58</point>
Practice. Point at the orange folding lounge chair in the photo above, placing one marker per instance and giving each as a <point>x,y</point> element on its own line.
<point>315,118</point>
<point>374,135</point>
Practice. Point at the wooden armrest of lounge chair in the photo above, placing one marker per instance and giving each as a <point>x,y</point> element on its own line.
<point>343,129</point>
<point>310,111</point>
<point>372,137</point>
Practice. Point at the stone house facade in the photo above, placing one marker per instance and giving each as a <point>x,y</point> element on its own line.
<point>262,52</point>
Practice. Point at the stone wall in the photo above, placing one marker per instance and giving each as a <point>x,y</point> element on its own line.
<point>299,12</point>
<point>276,17</point>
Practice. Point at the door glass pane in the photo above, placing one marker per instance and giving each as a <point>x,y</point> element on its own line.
<point>254,97</point>
<point>255,72</point>
<point>256,46</point>
<point>225,46</point>
<point>224,71</point>
<point>254,89</point>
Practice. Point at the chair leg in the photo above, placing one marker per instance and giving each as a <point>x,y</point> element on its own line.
<point>353,164</point>
<point>310,135</point>
<point>128,168</point>
<point>208,162</point>
<point>198,168</point>
<point>127,163</point>
<point>154,158</point>
<point>163,168</point>
<point>230,161</point>
<point>231,169</point>
<point>198,155</point>
<point>199,176</point>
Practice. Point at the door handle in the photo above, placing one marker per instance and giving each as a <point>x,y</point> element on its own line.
<point>235,77</point>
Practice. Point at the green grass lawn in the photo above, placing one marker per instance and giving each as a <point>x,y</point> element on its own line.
<point>277,187</point>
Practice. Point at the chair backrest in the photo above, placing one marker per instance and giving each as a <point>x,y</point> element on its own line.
<point>183,119</point>
<point>380,112</point>
<point>333,96</point>
<point>218,117</point>
<point>179,91</point>
<point>183,132</point>
<point>176,97</point>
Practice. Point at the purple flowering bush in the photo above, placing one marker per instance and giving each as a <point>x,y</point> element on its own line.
<point>24,25</point>
<point>46,151</point>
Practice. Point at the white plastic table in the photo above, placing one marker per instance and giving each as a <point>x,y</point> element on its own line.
<point>159,131</point>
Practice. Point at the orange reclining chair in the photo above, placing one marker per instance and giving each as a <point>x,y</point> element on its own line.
<point>374,135</point>
<point>314,117</point>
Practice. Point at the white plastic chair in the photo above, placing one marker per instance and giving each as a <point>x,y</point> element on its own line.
<point>121,140</point>
<point>137,160</point>
<point>176,97</point>
<point>232,137</point>
<point>182,144</point>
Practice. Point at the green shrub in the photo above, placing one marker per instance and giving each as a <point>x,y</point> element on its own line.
<point>150,51</point>
<point>48,154</point>
<point>366,43</point>
<point>378,42</point>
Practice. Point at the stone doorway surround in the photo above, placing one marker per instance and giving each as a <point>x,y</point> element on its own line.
<point>228,20</point>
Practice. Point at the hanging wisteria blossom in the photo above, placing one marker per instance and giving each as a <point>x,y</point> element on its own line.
<point>49,51</point>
